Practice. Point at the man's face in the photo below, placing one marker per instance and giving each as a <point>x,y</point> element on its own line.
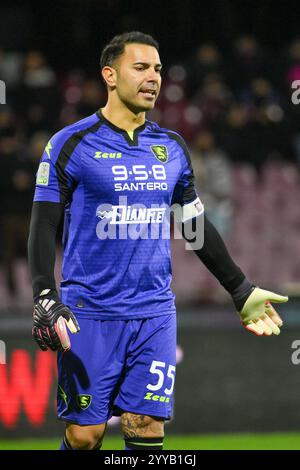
<point>138,78</point>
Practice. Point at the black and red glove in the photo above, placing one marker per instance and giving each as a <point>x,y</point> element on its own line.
<point>50,321</point>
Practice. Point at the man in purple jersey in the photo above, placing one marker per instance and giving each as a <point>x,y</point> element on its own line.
<point>113,176</point>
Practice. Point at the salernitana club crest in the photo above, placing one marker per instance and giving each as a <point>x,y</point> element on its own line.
<point>84,401</point>
<point>160,152</point>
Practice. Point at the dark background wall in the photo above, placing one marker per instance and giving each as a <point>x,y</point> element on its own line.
<point>73,32</point>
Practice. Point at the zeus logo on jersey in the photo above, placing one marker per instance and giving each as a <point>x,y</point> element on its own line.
<point>48,148</point>
<point>108,155</point>
<point>132,215</point>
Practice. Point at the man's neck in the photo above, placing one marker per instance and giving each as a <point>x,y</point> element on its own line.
<point>123,117</point>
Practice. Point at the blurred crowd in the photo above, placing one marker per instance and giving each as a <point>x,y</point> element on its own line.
<point>234,109</point>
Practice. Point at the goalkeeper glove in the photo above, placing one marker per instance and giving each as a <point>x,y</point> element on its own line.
<point>257,313</point>
<point>50,318</point>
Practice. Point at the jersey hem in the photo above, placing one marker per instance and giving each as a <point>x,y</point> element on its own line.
<point>85,422</point>
<point>113,316</point>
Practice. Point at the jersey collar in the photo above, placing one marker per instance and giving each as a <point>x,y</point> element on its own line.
<point>132,142</point>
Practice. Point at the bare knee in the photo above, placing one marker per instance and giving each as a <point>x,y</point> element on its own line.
<point>134,425</point>
<point>85,437</point>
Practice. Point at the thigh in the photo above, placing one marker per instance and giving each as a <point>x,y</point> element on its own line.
<point>134,425</point>
<point>88,374</point>
<point>85,437</point>
<point>148,384</point>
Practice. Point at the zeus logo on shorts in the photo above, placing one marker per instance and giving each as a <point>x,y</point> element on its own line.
<point>160,398</point>
<point>132,215</point>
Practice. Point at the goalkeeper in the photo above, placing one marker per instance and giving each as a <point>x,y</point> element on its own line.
<point>111,177</point>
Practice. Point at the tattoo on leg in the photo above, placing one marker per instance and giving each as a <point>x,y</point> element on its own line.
<point>134,425</point>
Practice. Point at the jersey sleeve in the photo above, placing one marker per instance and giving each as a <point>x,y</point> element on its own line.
<point>59,169</point>
<point>185,193</point>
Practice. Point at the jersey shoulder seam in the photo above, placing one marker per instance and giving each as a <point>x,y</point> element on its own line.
<point>68,149</point>
<point>178,139</point>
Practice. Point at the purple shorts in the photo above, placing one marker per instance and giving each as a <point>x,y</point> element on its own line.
<point>115,366</point>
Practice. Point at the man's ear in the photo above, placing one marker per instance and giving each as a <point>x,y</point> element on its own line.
<point>109,76</point>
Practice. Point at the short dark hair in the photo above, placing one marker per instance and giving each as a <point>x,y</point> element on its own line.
<point>116,47</point>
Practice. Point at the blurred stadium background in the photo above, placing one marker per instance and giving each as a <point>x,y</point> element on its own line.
<point>227,87</point>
